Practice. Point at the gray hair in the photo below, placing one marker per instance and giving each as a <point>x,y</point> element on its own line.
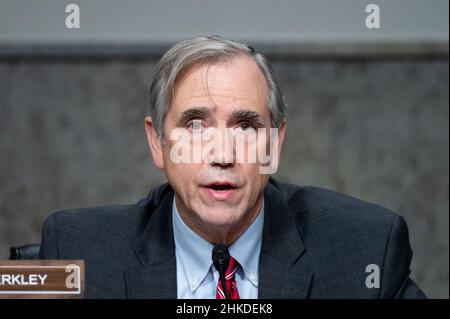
<point>196,51</point>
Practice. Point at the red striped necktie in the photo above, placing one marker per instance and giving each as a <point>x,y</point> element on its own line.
<point>230,281</point>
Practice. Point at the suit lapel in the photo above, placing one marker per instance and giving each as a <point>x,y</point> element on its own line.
<point>284,269</point>
<point>156,275</point>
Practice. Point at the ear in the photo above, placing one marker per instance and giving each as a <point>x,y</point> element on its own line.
<point>154,142</point>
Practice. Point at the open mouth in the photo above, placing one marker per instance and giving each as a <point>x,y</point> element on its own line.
<point>221,190</point>
<point>221,187</point>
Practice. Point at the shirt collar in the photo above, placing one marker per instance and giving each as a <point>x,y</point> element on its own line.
<point>247,247</point>
<point>195,252</point>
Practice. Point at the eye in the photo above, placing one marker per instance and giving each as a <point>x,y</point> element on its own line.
<point>195,125</point>
<point>246,126</point>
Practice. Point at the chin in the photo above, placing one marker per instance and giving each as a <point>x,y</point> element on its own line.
<point>220,218</point>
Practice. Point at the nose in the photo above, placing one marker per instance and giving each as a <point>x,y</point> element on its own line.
<point>222,165</point>
<point>223,154</point>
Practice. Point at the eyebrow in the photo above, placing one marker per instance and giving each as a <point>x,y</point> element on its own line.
<point>192,113</point>
<point>204,111</point>
<point>252,116</point>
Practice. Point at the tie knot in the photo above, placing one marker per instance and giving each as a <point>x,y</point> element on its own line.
<point>231,270</point>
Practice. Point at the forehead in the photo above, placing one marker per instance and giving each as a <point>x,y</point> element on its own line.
<point>223,86</point>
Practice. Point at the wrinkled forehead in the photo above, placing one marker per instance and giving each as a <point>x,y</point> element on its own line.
<point>226,85</point>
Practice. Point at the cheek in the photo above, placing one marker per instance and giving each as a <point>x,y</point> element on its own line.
<point>252,175</point>
<point>255,185</point>
<point>183,175</point>
<point>181,171</point>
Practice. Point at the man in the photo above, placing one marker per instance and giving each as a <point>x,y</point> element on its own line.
<point>277,240</point>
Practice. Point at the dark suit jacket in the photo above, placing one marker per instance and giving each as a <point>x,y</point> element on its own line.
<point>316,244</point>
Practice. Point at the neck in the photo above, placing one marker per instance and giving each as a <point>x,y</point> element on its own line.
<point>215,234</point>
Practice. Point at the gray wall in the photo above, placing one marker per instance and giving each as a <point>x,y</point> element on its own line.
<point>143,21</point>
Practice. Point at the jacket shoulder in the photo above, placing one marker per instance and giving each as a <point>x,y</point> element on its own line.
<point>344,235</point>
<point>91,221</point>
<point>315,203</point>
<point>96,220</point>
<point>79,232</point>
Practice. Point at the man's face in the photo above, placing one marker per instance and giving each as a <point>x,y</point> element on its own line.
<point>219,193</point>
